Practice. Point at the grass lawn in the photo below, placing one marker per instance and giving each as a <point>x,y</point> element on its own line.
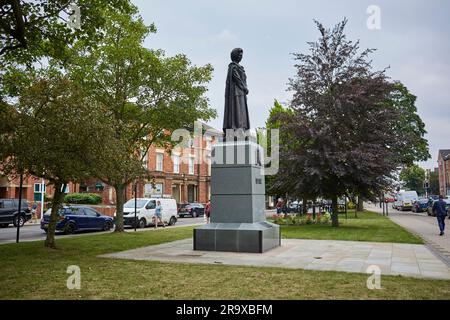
<point>369,226</point>
<point>30,271</point>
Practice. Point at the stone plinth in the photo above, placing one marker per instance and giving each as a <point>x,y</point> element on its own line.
<point>238,221</point>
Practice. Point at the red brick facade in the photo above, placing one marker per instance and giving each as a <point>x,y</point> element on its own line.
<point>190,184</point>
<point>444,171</point>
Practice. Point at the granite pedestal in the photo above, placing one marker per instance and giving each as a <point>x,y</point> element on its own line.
<point>238,221</point>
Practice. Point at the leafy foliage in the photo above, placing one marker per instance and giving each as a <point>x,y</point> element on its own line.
<point>83,198</point>
<point>145,94</point>
<point>57,135</point>
<point>341,124</point>
<point>413,177</point>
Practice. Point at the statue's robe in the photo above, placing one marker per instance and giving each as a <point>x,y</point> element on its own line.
<point>236,111</point>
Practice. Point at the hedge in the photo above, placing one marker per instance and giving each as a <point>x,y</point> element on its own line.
<point>83,198</point>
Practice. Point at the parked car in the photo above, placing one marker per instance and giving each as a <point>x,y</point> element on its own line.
<point>78,218</point>
<point>191,209</point>
<point>420,205</point>
<point>9,212</point>
<point>294,207</point>
<point>430,210</point>
<point>146,211</point>
<point>404,200</point>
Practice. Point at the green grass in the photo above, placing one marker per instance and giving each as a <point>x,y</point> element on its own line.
<point>30,271</point>
<point>368,226</point>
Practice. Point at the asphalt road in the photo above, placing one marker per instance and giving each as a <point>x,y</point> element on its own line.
<point>32,232</point>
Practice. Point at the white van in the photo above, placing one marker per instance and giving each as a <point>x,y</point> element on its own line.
<point>404,200</point>
<point>146,211</point>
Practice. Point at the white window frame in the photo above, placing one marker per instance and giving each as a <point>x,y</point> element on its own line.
<point>39,188</point>
<point>176,163</point>
<point>161,156</point>
<point>191,165</point>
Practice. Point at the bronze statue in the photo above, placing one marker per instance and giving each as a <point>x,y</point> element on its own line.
<point>236,111</point>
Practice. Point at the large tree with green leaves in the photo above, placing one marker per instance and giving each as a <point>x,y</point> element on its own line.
<point>409,143</point>
<point>58,135</point>
<point>413,178</point>
<point>30,30</point>
<point>146,94</point>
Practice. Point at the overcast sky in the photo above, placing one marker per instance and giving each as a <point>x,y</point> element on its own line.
<point>413,40</point>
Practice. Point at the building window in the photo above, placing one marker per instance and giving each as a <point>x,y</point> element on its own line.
<point>176,164</point>
<point>37,191</point>
<point>159,161</point>
<point>153,189</point>
<point>191,165</point>
<point>37,188</point>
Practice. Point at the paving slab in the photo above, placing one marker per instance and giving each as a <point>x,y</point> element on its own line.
<point>410,260</point>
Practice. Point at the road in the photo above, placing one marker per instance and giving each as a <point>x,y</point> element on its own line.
<point>424,226</point>
<point>32,232</point>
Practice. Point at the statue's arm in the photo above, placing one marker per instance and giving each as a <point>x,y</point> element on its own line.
<point>237,79</point>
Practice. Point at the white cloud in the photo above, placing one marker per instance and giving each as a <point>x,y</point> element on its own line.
<point>225,37</point>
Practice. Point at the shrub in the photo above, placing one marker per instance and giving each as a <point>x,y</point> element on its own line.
<point>326,218</point>
<point>83,198</point>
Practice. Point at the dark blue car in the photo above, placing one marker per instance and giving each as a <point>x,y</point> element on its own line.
<point>78,218</point>
<point>420,205</point>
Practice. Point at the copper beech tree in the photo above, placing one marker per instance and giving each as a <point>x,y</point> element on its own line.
<point>343,127</point>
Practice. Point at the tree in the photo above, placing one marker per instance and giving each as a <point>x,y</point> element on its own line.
<point>341,122</point>
<point>57,135</point>
<point>413,178</point>
<point>146,94</point>
<point>433,181</point>
<point>32,29</point>
<point>409,129</point>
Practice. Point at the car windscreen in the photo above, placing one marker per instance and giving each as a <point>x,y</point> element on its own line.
<point>130,203</point>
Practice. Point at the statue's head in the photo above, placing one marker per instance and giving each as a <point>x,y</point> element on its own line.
<point>236,55</point>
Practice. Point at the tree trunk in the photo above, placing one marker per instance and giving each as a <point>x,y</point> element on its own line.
<point>360,204</point>
<point>304,206</point>
<point>58,197</point>
<point>334,214</point>
<point>120,200</point>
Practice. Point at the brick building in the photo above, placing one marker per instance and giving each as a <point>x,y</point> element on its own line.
<point>183,174</point>
<point>444,171</point>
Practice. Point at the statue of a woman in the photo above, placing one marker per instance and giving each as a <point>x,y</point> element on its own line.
<point>236,111</point>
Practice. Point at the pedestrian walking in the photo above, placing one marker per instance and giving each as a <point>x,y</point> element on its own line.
<point>440,209</point>
<point>158,214</point>
<point>34,212</point>
<point>208,211</point>
<point>279,205</point>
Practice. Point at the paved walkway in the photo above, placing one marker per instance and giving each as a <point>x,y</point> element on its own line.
<point>424,226</point>
<point>349,256</point>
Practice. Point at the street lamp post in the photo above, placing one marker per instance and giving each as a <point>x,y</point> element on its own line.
<point>42,198</point>
<point>135,205</point>
<point>19,214</point>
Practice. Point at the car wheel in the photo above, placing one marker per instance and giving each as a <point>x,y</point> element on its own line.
<point>4,225</point>
<point>107,226</point>
<point>69,229</point>
<point>194,214</point>
<point>172,221</point>
<point>142,223</point>
<point>21,221</point>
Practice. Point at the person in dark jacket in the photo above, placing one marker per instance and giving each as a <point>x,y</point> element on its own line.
<point>441,212</point>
